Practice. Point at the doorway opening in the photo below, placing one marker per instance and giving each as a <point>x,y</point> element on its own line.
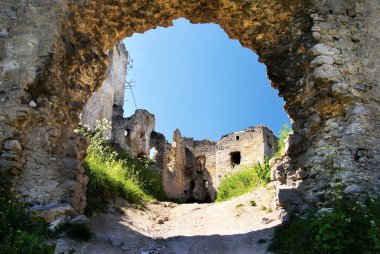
<point>235,158</point>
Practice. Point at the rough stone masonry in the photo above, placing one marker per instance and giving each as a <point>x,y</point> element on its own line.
<point>195,168</point>
<point>323,56</point>
<point>107,103</point>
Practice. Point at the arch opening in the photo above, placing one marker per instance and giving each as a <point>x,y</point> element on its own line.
<point>153,154</point>
<point>58,85</point>
<point>83,58</point>
<point>235,158</point>
<point>199,169</point>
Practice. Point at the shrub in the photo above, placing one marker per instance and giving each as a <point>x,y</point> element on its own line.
<point>348,227</point>
<point>243,181</point>
<point>112,174</point>
<point>20,231</point>
<point>280,146</point>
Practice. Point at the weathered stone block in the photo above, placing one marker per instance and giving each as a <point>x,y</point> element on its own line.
<point>13,145</point>
<point>326,74</point>
<point>323,50</point>
<point>53,211</point>
<point>288,197</point>
<point>80,219</point>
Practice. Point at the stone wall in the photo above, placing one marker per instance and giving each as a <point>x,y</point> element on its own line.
<point>197,167</point>
<point>251,145</point>
<point>204,152</point>
<point>173,176</point>
<point>187,176</point>
<point>163,148</point>
<point>139,128</point>
<point>107,103</point>
<point>37,146</point>
<point>322,56</point>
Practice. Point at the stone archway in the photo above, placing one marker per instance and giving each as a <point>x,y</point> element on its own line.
<point>322,56</point>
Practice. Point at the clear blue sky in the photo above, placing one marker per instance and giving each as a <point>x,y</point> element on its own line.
<point>194,78</point>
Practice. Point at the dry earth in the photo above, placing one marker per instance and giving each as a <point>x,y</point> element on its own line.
<point>233,226</point>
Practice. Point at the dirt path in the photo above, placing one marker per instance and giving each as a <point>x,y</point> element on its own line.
<point>234,227</point>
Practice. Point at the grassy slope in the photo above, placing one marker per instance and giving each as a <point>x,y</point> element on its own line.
<point>113,175</point>
<point>243,181</point>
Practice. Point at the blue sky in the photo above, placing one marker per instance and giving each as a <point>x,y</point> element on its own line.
<point>194,78</point>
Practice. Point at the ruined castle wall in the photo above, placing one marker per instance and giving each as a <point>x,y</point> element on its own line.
<point>163,148</point>
<point>249,145</point>
<point>269,141</point>
<point>107,103</point>
<point>139,128</point>
<point>205,163</point>
<point>204,152</point>
<point>206,149</point>
<point>37,145</point>
<point>322,56</point>
<point>173,177</point>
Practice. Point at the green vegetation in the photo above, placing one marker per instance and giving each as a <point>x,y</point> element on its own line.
<point>253,203</point>
<point>243,181</point>
<point>280,146</point>
<point>112,174</point>
<point>20,231</point>
<point>348,227</point>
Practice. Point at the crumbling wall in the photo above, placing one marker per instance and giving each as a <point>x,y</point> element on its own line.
<point>186,176</point>
<point>39,107</point>
<point>322,56</point>
<point>251,146</point>
<point>107,103</point>
<point>204,171</point>
<point>163,149</point>
<point>139,128</point>
<point>270,142</point>
<point>197,167</point>
<point>173,177</point>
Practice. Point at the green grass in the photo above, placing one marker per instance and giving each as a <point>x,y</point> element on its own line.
<point>147,175</point>
<point>112,174</point>
<point>111,178</point>
<point>244,181</point>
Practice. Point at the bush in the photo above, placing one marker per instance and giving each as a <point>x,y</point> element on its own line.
<point>349,227</point>
<point>243,181</point>
<point>112,174</point>
<point>21,232</point>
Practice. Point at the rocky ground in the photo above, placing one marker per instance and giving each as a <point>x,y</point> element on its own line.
<point>242,225</point>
